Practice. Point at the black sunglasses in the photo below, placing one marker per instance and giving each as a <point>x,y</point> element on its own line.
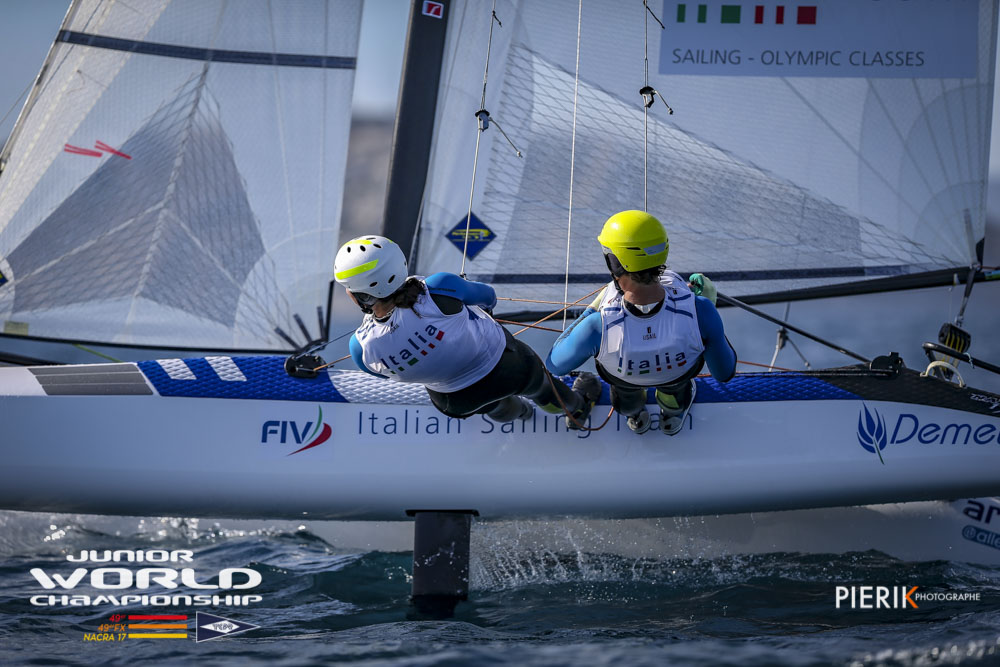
<point>364,299</point>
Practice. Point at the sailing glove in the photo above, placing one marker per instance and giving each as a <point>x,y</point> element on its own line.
<point>702,286</point>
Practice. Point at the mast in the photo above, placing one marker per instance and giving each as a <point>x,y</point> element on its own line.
<point>414,129</point>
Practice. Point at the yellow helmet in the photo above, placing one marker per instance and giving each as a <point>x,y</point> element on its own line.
<point>635,239</point>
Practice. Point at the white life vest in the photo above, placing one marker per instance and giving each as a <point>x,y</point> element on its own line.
<point>443,352</point>
<point>650,351</point>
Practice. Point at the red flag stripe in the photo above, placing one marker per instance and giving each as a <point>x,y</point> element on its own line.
<point>108,149</point>
<point>69,148</point>
<point>320,439</point>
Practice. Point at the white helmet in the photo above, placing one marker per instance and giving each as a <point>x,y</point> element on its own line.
<point>371,265</point>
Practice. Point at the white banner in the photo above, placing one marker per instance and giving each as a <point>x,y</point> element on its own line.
<point>825,38</point>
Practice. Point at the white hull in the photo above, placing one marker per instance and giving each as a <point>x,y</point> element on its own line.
<point>205,457</point>
<point>233,456</point>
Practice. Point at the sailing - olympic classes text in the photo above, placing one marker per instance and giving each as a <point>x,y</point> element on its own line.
<point>782,58</point>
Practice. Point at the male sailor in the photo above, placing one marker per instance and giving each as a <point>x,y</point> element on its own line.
<point>439,331</point>
<point>647,328</point>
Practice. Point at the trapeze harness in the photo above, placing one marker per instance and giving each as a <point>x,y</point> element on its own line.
<point>655,350</point>
<point>445,353</point>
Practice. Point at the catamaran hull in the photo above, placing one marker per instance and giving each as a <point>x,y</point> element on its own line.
<point>120,439</point>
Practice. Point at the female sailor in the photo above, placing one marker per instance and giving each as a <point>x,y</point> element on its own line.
<point>647,328</point>
<point>438,331</point>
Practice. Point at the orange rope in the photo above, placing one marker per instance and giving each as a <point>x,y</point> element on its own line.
<point>531,326</point>
<point>319,368</point>
<point>777,368</point>
<point>553,314</point>
<point>751,363</point>
<point>510,298</point>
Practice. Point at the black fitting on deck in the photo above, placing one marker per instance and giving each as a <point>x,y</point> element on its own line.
<point>891,363</point>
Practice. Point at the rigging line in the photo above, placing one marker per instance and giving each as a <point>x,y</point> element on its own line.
<point>482,124</point>
<point>530,326</point>
<point>554,313</point>
<point>569,415</point>
<point>281,136</point>
<point>319,346</point>
<point>648,94</point>
<point>335,361</point>
<point>472,190</point>
<point>647,103</point>
<point>782,335</point>
<point>750,309</point>
<point>572,152</point>
<point>554,303</point>
<point>489,45</point>
<point>645,109</point>
<point>18,99</point>
<point>770,366</point>
<point>321,191</point>
<point>795,347</point>
<point>990,64</point>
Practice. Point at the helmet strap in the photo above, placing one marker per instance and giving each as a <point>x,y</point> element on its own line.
<point>618,287</point>
<point>364,301</point>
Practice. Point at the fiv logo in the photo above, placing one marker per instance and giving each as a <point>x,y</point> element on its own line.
<point>283,431</point>
<point>872,434</point>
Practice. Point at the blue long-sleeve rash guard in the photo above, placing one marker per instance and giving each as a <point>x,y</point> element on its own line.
<point>468,292</point>
<point>582,340</point>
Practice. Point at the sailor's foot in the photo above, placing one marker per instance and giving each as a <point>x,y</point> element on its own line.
<point>641,422</point>
<point>511,409</point>
<point>588,387</point>
<point>672,415</point>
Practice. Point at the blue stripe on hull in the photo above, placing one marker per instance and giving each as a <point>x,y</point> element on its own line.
<point>770,387</point>
<point>266,379</point>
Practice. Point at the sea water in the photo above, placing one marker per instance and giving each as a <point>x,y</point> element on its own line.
<point>542,593</point>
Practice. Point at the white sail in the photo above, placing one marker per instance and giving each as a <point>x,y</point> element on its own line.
<point>175,177</point>
<point>809,147</point>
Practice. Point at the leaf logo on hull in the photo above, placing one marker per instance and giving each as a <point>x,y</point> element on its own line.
<point>872,434</point>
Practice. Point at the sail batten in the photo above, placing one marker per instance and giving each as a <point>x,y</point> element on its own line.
<point>206,54</point>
